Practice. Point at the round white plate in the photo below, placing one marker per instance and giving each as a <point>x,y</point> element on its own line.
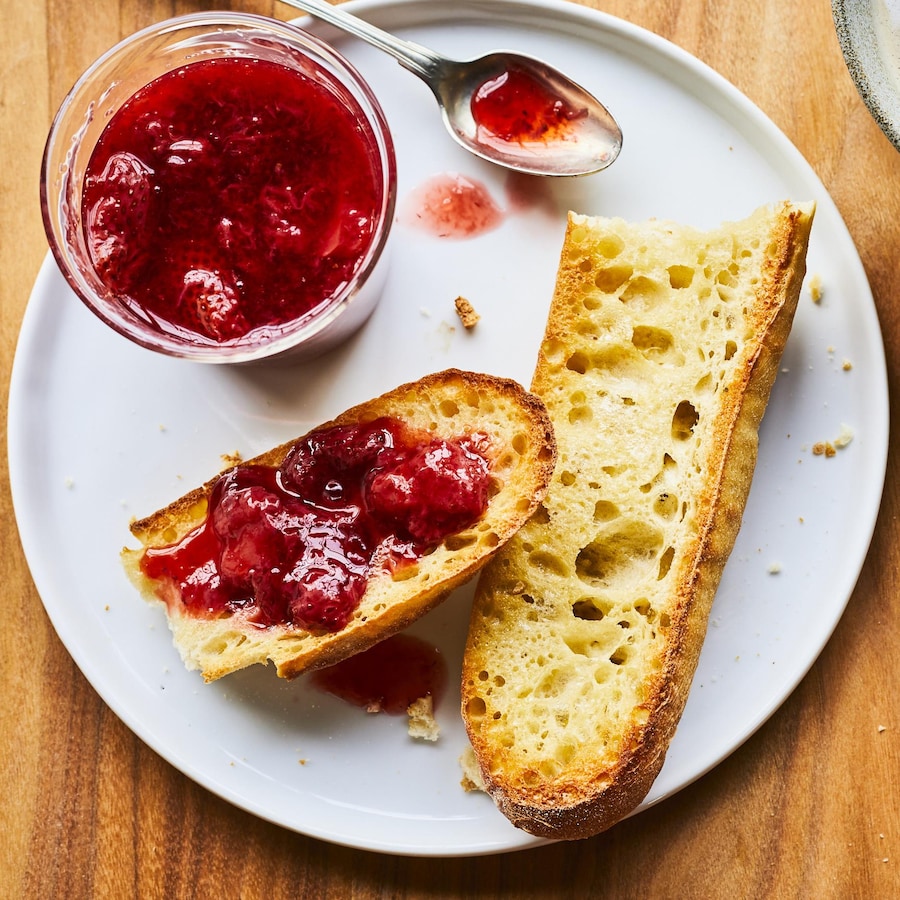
<point>101,431</point>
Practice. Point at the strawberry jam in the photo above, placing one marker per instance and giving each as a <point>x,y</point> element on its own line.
<point>232,196</point>
<point>296,544</point>
<point>515,106</point>
<point>387,677</point>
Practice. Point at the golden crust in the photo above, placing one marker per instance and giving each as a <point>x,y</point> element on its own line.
<point>449,404</point>
<point>565,758</point>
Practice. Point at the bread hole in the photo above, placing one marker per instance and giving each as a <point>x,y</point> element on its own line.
<point>730,349</point>
<point>656,344</point>
<point>726,277</point>
<point>604,511</point>
<point>580,414</point>
<point>590,609</point>
<point>669,462</point>
<point>476,708</point>
<point>520,443</point>
<point>622,554</point>
<point>586,265</point>
<point>591,303</point>
<point>554,350</point>
<point>578,362</point>
<point>499,681</point>
<point>684,420</point>
<point>449,408</point>
<point>548,562</point>
<point>644,608</point>
<point>546,453</point>
<point>614,470</point>
<point>619,656</point>
<point>704,384</point>
<point>567,478</point>
<point>725,293</point>
<point>483,676</point>
<point>627,401</point>
<point>541,515</point>
<point>646,488</point>
<point>610,246</point>
<point>404,573</point>
<point>666,505</point>
<point>459,541</point>
<point>610,279</point>
<point>665,562</point>
<point>680,276</point>
<point>491,539</point>
<point>643,294</point>
<point>496,716</point>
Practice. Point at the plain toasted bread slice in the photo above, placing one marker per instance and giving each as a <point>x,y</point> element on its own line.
<point>450,404</point>
<point>661,347</point>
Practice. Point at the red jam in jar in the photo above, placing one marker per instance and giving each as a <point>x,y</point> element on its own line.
<point>516,107</point>
<point>296,544</point>
<point>232,196</point>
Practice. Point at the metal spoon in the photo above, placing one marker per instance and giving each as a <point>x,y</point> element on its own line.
<point>584,138</point>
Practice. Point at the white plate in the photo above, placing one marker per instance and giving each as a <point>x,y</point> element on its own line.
<point>101,431</point>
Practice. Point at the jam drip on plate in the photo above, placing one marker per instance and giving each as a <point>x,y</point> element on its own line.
<point>296,544</point>
<point>231,195</point>
<point>387,677</point>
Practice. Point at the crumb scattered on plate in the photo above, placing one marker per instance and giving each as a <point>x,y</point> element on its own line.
<point>232,459</point>
<point>830,448</point>
<point>471,777</point>
<point>815,288</point>
<point>466,313</point>
<point>422,723</point>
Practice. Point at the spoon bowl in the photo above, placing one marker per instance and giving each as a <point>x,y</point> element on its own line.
<point>513,110</point>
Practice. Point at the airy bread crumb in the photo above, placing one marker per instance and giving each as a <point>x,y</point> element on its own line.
<point>466,313</point>
<point>422,723</point>
<point>815,288</point>
<point>471,778</point>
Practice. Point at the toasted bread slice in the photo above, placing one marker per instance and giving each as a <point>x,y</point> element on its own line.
<point>450,404</point>
<point>661,347</point>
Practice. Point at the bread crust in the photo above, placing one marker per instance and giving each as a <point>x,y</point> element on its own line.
<point>577,791</point>
<point>448,404</point>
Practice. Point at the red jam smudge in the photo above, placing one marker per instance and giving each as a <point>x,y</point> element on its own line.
<point>450,205</point>
<point>296,544</point>
<point>232,195</point>
<point>387,677</point>
<point>516,107</point>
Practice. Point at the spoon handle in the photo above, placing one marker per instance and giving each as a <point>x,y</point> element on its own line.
<point>412,56</point>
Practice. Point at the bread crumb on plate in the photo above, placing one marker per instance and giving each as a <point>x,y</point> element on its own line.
<point>466,313</point>
<point>422,723</point>
<point>471,779</point>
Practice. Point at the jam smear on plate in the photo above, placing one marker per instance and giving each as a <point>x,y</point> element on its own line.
<point>296,544</point>
<point>231,195</point>
<point>387,677</point>
<point>516,107</point>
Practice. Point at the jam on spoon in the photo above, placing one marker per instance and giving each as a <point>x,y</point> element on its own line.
<point>592,138</point>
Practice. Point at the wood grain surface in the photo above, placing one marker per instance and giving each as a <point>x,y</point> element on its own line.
<point>809,807</point>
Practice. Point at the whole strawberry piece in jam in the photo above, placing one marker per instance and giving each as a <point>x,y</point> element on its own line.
<point>451,477</point>
<point>119,204</point>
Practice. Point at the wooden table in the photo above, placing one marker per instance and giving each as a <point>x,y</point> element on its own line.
<point>809,807</point>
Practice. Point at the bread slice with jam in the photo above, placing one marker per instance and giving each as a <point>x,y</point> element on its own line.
<point>661,348</point>
<point>325,545</point>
